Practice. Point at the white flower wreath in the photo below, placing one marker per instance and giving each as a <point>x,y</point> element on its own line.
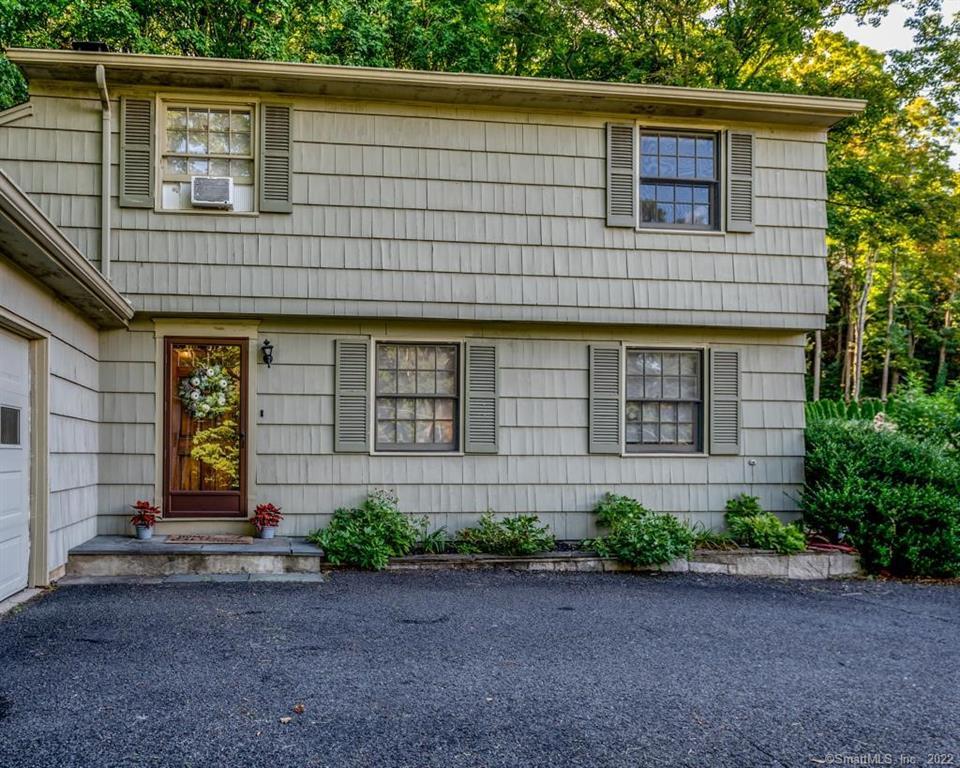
<point>206,392</point>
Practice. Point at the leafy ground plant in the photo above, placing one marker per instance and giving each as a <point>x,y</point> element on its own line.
<point>705,538</point>
<point>637,535</point>
<point>751,526</point>
<point>435,543</point>
<point>369,535</point>
<point>520,535</point>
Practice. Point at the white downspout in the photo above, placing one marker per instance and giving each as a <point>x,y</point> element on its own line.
<point>104,173</point>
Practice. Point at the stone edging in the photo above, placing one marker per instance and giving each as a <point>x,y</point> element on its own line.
<point>116,557</point>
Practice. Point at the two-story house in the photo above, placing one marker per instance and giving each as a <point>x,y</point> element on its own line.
<point>483,292</point>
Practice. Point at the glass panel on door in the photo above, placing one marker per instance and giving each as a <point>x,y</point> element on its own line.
<point>205,428</point>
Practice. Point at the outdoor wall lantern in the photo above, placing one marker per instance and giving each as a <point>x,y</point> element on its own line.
<point>267,349</point>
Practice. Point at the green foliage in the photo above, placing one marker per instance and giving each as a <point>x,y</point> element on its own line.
<point>751,526</point>
<point>369,535</point>
<point>865,410</point>
<point>704,538</point>
<point>934,418</point>
<point>895,498</point>
<point>218,447</point>
<point>435,543</point>
<point>520,535</point>
<point>637,535</point>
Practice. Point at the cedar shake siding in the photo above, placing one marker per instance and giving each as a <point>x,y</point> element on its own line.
<point>515,225</point>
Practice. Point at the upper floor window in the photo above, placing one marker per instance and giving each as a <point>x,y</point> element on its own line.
<point>679,180</point>
<point>206,140</point>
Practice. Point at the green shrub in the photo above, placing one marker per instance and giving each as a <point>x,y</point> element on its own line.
<point>369,535</point>
<point>933,418</point>
<point>895,498</point>
<point>520,535</point>
<point>637,535</point>
<point>751,526</point>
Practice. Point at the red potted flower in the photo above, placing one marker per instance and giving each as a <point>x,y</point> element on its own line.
<point>266,518</point>
<point>145,518</point>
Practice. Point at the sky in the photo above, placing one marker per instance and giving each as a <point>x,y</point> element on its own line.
<point>890,35</point>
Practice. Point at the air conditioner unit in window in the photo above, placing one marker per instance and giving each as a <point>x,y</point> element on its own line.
<point>211,192</point>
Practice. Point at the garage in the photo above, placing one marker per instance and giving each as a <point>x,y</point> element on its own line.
<point>14,463</point>
<point>54,304</point>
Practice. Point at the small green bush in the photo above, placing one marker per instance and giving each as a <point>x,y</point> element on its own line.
<point>520,535</point>
<point>704,538</point>
<point>895,498</point>
<point>637,535</point>
<point>435,543</point>
<point>751,526</point>
<point>369,535</point>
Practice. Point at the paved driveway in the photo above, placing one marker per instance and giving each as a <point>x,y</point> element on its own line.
<point>482,669</point>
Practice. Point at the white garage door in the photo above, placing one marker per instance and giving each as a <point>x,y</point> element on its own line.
<point>14,463</point>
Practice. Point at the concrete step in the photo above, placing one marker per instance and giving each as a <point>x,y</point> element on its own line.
<point>127,556</point>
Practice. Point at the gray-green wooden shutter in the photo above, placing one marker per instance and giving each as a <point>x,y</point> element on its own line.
<point>621,175</point>
<point>724,401</point>
<point>480,407</point>
<point>276,152</point>
<point>605,404</point>
<point>137,141</point>
<point>351,407</point>
<point>740,162</point>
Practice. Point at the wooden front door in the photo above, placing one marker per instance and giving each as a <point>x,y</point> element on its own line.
<point>204,427</point>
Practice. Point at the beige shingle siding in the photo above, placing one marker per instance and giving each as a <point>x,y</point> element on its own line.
<point>542,464</point>
<point>74,410</point>
<point>416,211</point>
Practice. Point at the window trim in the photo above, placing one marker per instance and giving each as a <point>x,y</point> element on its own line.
<point>460,414</point>
<point>718,183</point>
<point>163,100</point>
<point>699,449</point>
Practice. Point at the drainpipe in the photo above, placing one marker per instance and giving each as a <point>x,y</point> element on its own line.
<point>104,173</point>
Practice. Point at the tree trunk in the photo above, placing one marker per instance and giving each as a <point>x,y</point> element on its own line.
<point>941,377</point>
<point>848,334</point>
<point>891,305</point>
<point>817,357</point>
<point>857,383</point>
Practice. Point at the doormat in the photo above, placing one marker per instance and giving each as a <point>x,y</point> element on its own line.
<point>220,538</point>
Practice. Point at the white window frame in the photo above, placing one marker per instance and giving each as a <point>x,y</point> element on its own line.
<point>704,350</point>
<point>461,396</point>
<point>165,101</point>
<point>720,131</point>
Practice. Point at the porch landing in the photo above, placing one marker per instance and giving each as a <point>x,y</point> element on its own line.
<point>127,556</point>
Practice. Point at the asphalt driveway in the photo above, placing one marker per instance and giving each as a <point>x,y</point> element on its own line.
<point>483,669</point>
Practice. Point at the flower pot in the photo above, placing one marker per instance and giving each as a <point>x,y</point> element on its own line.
<point>268,532</point>
<point>144,532</point>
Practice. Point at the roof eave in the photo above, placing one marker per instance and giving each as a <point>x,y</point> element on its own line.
<point>439,87</point>
<point>31,241</point>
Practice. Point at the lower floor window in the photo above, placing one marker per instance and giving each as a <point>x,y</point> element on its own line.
<point>664,402</point>
<point>417,403</point>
